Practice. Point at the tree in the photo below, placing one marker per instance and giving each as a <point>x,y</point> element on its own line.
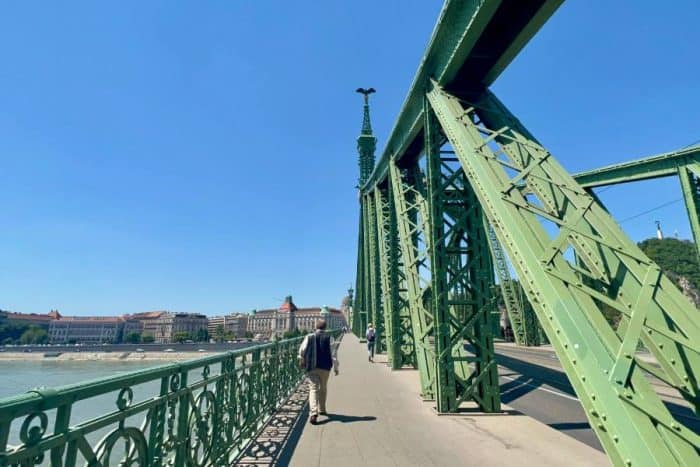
<point>202,335</point>
<point>181,337</point>
<point>133,338</point>
<point>219,333</point>
<point>12,331</point>
<point>248,335</point>
<point>34,335</point>
<point>8,341</point>
<point>675,257</point>
<point>147,339</point>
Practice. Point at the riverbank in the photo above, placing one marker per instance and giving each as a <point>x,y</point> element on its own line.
<point>103,356</point>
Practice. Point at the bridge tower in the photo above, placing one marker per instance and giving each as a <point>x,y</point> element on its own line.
<point>364,311</point>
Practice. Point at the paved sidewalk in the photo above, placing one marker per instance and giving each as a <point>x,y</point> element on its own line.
<point>377,419</point>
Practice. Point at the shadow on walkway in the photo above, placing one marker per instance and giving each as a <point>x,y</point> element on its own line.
<point>570,426</point>
<point>276,441</point>
<point>345,419</point>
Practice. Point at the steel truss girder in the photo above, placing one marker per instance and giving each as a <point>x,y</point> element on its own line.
<point>523,189</point>
<point>461,278</point>
<point>355,321</point>
<point>684,163</point>
<point>514,307</point>
<point>399,334</point>
<point>689,176</point>
<point>412,214</point>
<point>376,313</point>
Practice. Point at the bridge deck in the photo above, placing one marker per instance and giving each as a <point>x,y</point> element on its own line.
<point>377,418</point>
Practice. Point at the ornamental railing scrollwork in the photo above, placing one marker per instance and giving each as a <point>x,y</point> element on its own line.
<point>196,413</point>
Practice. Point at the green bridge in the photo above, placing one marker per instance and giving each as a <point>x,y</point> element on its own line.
<point>462,198</point>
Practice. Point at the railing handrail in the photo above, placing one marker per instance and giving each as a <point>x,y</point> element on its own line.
<point>193,419</point>
<point>97,386</point>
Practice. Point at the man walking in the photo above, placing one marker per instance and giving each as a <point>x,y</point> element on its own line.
<point>370,335</point>
<point>318,353</point>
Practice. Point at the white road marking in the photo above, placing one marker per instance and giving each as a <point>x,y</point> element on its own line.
<point>556,393</point>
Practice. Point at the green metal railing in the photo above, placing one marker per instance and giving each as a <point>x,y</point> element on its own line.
<point>195,413</point>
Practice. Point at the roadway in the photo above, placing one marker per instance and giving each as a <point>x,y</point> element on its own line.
<point>533,382</point>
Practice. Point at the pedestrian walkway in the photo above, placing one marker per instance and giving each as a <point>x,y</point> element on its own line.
<point>376,418</point>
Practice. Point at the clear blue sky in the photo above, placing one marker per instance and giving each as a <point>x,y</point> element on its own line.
<point>201,156</point>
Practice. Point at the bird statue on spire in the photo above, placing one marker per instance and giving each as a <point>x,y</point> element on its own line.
<point>366,93</point>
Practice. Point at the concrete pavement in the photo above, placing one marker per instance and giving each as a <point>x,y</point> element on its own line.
<point>376,418</point>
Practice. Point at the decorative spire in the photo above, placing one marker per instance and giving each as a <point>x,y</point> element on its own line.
<point>366,142</point>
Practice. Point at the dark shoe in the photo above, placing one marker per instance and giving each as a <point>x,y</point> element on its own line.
<point>323,413</point>
<point>313,419</point>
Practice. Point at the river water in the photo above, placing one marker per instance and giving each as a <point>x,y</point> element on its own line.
<point>17,377</point>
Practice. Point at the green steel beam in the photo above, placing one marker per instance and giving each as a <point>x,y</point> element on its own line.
<point>411,214</point>
<point>355,317</point>
<point>397,319</point>
<point>662,165</point>
<point>541,215</point>
<point>462,51</point>
<point>377,315</point>
<point>387,297</point>
<point>684,163</point>
<point>461,279</point>
<point>514,307</point>
<point>689,176</point>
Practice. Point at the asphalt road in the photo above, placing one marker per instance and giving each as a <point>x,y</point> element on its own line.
<point>533,382</point>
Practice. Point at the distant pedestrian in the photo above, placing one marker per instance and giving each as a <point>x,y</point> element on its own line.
<point>318,353</point>
<point>370,335</point>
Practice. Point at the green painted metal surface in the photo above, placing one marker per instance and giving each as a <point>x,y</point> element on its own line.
<point>473,164</point>
<point>541,215</point>
<point>461,276</point>
<point>411,214</point>
<point>459,53</point>
<point>196,413</point>
<point>689,176</point>
<point>685,164</point>
<point>374,275</point>
<point>648,168</point>
<point>522,333</point>
<point>397,318</point>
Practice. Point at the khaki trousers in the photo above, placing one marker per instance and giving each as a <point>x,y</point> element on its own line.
<point>318,384</point>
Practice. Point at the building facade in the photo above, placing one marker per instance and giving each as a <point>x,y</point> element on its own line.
<point>288,317</point>
<point>235,324</point>
<point>91,329</point>
<point>29,319</point>
<point>169,324</point>
<point>163,325</point>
